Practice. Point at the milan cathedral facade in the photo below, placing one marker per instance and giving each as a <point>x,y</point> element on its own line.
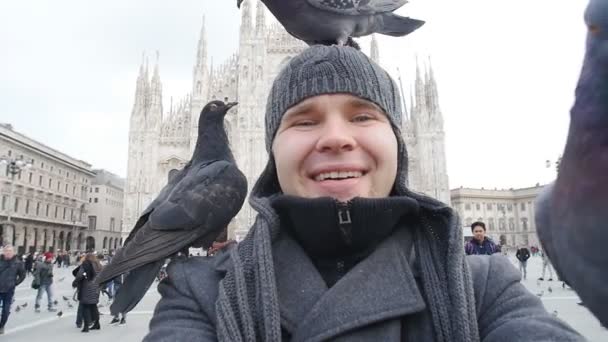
<point>162,139</point>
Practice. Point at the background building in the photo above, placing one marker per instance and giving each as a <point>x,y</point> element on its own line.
<point>162,138</point>
<point>47,202</point>
<point>105,211</point>
<point>508,214</point>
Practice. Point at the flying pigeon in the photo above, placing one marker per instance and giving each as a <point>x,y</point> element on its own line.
<point>65,298</point>
<point>550,289</point>
<point>571,215</point>
<point>24,305</point>
<point>60,313</point>
<point>18,308</point>
<point>191,210</point>
<point>55,302</point>
<point>338,21</point>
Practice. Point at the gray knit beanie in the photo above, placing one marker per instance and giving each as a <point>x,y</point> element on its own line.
<point>324,69</point>
<point>333,69</point>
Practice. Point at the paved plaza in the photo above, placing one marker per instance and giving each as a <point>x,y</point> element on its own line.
<point>27,326</point>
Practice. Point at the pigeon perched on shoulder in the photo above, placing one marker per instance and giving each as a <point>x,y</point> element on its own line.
<point>191,211</point>
<point>571,214</point>
<point>338,21</point>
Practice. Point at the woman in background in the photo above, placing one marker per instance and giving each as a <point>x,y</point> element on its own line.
<point>88,291</point>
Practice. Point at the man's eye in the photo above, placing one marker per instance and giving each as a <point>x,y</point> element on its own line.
<point>363,117</point>
<point>303,123</point>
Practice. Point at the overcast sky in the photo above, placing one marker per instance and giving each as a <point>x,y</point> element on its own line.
<point>506,73</point>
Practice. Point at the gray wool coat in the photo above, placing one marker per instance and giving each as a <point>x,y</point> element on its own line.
<point>376,301</point>
<point>89,290</point>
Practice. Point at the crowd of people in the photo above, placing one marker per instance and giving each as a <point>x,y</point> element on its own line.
<point>14,269</point>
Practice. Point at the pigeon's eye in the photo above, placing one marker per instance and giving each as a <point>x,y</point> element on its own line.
<point>213,107</point>
<point>594,29</point>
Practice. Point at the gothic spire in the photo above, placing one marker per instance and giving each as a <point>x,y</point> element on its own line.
<point>201,52</point>
<point>246,25</point>
<point>260,19</point>
<point>432,94</point>
<point>374,52</point>
<point>141,86</point>
<point>156,76</point>
<point>420,88</point>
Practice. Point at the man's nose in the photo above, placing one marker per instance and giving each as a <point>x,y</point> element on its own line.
<point>336,136</point>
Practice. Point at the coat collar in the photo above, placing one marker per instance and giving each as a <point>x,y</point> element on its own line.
<point>379,288</point>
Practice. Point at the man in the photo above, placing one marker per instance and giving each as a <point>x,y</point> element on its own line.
<point>546,265</point>
<point>29,263</point>
<point>480,244</point>
<point>43,275</point>
<point>59,260</point>
<point>522,255</point>
<point>116,319</point>
<point>12,273</point>
<point>341,249</point>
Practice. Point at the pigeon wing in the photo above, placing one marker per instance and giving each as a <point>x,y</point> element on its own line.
<point>174,178</point>
<point>200,206</point>
<point>357,7</point>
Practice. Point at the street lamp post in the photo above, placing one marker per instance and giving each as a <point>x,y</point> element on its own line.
<point>14,166</point>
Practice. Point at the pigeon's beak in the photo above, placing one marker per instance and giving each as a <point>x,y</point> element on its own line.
<point>238,3</point>
<point>231,104</point>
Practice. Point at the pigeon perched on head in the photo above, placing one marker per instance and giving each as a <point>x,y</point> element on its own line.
<point>571,214</point>
<point>191,211</point>
<point>335,21</point>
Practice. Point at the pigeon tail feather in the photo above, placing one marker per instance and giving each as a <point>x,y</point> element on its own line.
<point>135,286</point>
<point>398,26</point>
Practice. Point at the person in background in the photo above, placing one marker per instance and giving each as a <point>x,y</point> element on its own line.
<point>480,244</point>
<point>43,275</point>
<point>546,265</point>
<point>523,254</point>
<point>117,319</point>
<point>88,292</point>
<point>12,273</point>
<point>29,263</point>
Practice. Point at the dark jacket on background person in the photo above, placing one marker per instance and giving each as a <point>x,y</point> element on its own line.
<point>12,273</point>
<point>332,289</point>
<point>29,262</point>
<point>486,247</point>
<point>522,254</point>
<point>44,272</point>
<point>88,290</point>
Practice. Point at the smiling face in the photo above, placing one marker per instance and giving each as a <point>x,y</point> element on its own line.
<point>479,233</point>
<point>338,146</point>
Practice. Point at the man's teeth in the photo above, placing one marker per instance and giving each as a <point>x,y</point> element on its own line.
<point>338,175</point>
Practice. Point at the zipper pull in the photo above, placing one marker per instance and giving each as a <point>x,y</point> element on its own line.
<point>345,222</point>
